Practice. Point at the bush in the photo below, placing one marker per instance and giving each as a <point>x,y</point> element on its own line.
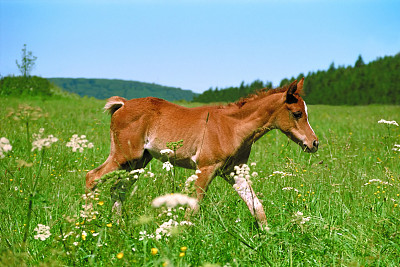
<point>24,86</point>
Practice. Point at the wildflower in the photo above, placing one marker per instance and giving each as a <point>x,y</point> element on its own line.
<point>167,166</point>
<point>197,171</point>
<point>300,219</point>
<point>290,188</point>
<point>120,255</point>
<point>396,147</point>
<point>172,200</point>
<point>166,151</point>
<point>4,146</point>
<point>183,249</point>
<point>388,122</point>
<point>189,182</point>
<point>79,143</point>
<point>154,251</point>
<point>23,163</point>
<point>182,254</point>
<point>84,235</point>
<point>40,142</point>
<point>378,181</point>
<point>75,243</point>
<point>109,224</point>
<point>283,174</point>
<point>42,232</point>
<point>101,203</point>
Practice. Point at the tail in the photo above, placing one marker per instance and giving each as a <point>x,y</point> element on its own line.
<point>114,103</point>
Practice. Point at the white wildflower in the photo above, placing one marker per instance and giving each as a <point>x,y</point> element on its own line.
<point>299,218</point>
<point>396,147</point>
<point>167,166</point>
<point>197,171</point>
<point>172,200</point>
<point>4,146</point>
<point>190,181</point>
<point>79,143</point>
<point>378,181</point>
<point>40,142</point>
<point>388,122</point>
<point>42,232</point>
<point>290,188</point>
<point>166,151</point>
<point>283,174</point>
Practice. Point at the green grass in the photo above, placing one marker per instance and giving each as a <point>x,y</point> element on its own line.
<point>352,223</point>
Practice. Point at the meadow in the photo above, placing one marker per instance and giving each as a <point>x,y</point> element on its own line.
<point>337,207</point>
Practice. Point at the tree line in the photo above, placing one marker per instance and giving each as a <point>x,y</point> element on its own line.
<point>375,83</point>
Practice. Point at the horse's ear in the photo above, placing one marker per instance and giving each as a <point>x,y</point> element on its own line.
<point>290,98</point>
<point>300,86</point>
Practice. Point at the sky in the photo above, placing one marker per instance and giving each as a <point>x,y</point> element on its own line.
<point>194,44</point>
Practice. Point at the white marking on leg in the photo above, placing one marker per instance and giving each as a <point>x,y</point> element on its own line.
<point>245,191</point>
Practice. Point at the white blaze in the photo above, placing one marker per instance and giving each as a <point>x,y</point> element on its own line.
<point>305,107</point>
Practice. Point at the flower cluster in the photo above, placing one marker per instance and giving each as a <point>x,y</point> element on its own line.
<point>396,147</point>
<point>377,181</point>
<point>79,143</point>
<point>388,122</point>
<point>189,183</point>
<point>299,218</point>
<point>4,146</point>
<point>167,166</point>
<point>166,228</point>
<point>138,172</point>
<point>290,188</point>
<point>282,174</point>
<point>173,200</point>
<point>166,151</point>
<point>26,113</point>
<point>42,232</point>
<point>40,142</point>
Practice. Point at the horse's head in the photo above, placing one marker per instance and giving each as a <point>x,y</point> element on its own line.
<point>292,118</point>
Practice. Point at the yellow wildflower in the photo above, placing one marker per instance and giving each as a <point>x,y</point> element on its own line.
<point>120,255</point>
<point>154,251</point>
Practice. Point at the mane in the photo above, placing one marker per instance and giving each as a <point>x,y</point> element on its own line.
<point>259,94</point>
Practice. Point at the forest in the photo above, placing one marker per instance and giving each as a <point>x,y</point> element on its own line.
<point>105,88</point>
<point>377,82</point>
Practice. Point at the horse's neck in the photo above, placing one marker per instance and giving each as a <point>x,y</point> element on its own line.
<point>256,117</point>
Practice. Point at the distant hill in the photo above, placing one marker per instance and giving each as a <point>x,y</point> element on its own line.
<point>105,88</point>
<point>377,82</point>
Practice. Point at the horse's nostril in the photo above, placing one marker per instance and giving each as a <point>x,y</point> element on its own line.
<point>315,143</point>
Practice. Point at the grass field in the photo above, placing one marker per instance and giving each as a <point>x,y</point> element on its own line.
<point>338,207</point>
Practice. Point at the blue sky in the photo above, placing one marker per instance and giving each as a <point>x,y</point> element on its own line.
<point>194,44</point>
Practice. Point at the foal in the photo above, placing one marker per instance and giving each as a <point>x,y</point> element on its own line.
<point>215,138</point>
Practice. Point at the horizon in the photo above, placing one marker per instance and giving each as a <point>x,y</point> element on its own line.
<point>195,45</point>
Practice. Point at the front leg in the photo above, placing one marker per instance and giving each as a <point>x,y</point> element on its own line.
<point>201,184</point>
<point>246,192</point>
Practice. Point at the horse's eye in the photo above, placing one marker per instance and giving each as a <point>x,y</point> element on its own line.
<point>297,114</point>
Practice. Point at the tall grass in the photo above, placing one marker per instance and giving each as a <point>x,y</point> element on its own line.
<point>339,206</point>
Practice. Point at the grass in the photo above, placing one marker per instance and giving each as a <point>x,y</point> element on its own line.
<point>349,190</point>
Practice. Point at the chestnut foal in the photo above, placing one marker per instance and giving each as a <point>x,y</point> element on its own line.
<point>215,138</point>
